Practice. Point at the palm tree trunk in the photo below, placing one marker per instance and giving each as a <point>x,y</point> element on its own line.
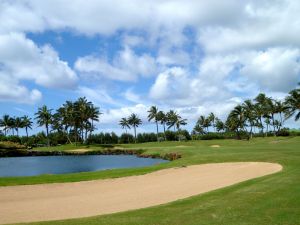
<point>47,133</point>
<point>134,133</point>
<point>26,133</point>
<point>262,126</point>
<point>273,121</point>
<point>280,121</point>
<point>156,130</point>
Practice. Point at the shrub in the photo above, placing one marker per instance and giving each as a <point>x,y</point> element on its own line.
<point>11,145</point>
<point>126,138</point>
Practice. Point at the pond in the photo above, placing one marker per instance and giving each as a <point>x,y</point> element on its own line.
<point>37,165</point>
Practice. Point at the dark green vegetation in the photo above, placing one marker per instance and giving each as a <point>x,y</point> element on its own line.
<point>273,199</point>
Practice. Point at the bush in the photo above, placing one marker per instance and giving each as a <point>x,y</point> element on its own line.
<point>11,145</point>
<point>283,132</point>
<point>126,138</point>
<point>170,135</point>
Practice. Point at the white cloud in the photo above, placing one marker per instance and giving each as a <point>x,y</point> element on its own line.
<point>113,116</point>
<point>276,69</point>
<point>126,66</point>
<point>97,95</point>
<point>11,90</point>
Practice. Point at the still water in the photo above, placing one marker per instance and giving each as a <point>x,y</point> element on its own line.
<point>37,165</point>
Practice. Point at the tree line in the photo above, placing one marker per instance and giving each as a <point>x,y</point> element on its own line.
<point>262,113</point>
<point>76,120</point>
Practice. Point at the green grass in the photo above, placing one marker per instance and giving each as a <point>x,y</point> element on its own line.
<point>269,200</point>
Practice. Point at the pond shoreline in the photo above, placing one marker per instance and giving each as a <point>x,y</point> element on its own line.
<point>139,153</point>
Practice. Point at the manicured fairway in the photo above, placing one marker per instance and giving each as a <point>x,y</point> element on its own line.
<point>274,199</point>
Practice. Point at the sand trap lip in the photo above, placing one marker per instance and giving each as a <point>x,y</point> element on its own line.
<point>43,202</point>
<point>215,146</point>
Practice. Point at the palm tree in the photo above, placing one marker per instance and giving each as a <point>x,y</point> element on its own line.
<point>134,121</point>
<point>292,103</point>
<point>198,129</point>
<point>44,117</point>
<point>12,125</point>
<point>161,116</point>
<point>18,124</point>
<point>220,126</point>
<point>153,115</point>
<point>5,122</point>
<point>268,123</point>
<point>172,117</point>
<point>180,122</point>
<point>280,108</point>
<point>124,123</point>
<point>212,118</point>
<point>27,123</point>
<point>250,113</point>
<point>236,120</point>
<point>260,108</point>
<point>94,114</point>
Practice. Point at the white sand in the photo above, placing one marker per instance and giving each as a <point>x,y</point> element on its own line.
<point>43,202</point>
<point>215,146</point>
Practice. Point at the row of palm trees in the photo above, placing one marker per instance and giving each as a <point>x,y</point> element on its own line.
<point>74,119</point>
<point>15,123</point>
<point>263,113</point>
<point>169,119</point>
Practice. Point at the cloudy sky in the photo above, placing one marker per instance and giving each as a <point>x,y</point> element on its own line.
<point>192,56</point>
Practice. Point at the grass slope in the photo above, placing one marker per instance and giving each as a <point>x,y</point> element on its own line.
<point>273,199</point>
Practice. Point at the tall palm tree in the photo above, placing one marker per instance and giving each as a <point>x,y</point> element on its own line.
<point>18,124</point>
<point>220,126</point>
<point>236,120</point>
<point>134,121</point>
<point>271,111</point>
<point>180,122</point>
<point>27,124</point>
<point>250,114</point>
<point>212,118</point>
<point>172,117</point>
<point>292,102</point>
<point>44,117</point>
<point>153,115</point>
<point>5,122</point>
<point>94,114</point>
<point>124,123</point>
<point>280,109</point>
<point>12,125</point>
<point>260,108</point>
<point>163,120</point>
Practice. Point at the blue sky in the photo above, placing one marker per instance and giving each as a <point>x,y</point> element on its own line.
<point>194,57</point>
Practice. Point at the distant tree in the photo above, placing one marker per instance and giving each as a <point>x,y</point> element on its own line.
<point>260,108</point>
<point>220,126</point>
<point>27,124</point>
<point>236,120</point>
<point>212,119</point>
<point>154,115</point>
<point>5,123</point>
<point>162,118</point>
<point>175,120</point>
<point>124,123</point>
<point>44,118</point>
<point>134,121</point>
<point>292,103</point>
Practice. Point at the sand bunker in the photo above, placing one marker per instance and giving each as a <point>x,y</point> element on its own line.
<point>80,150</point>
<point>215,146</point>
<point>89,198</point>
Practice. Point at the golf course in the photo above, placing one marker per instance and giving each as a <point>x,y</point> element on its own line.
<point>267,199</point>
